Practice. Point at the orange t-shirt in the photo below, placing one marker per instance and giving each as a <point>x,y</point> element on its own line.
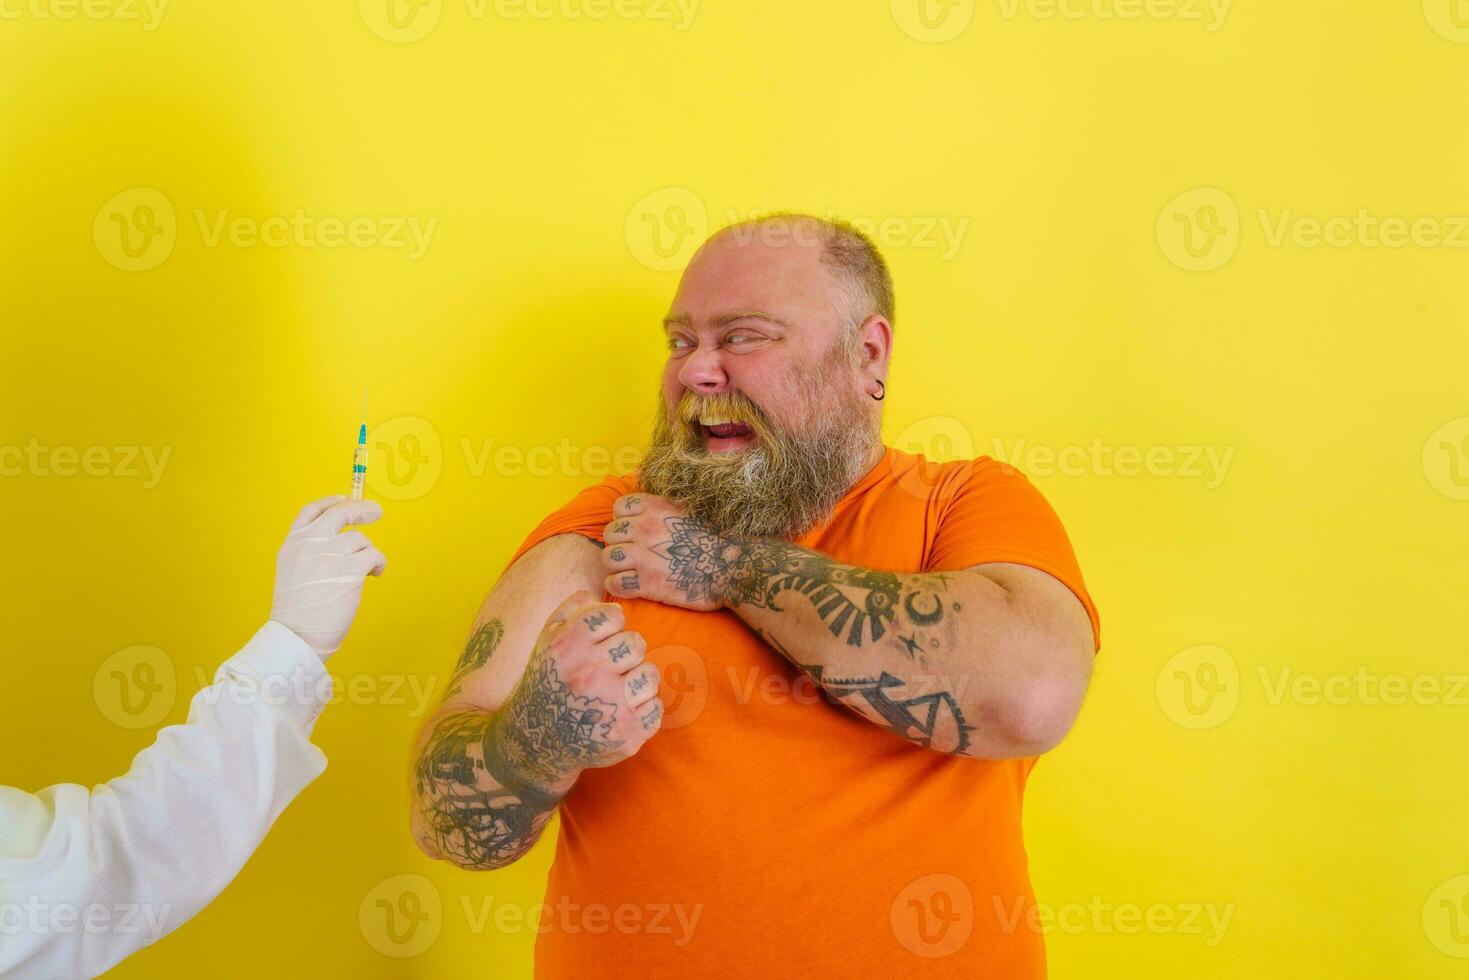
<point>766,832</point>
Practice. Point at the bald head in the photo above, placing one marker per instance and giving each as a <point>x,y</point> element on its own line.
<point>848,256</point>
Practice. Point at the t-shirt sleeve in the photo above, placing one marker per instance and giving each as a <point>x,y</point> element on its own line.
<point>994,514</point>
<point>587,514</point>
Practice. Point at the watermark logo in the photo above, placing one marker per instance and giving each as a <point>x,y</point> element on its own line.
<point>671,922</point>
<point>1446,917</point>
<point>1210,13</point>
<point>307,688</point>
<point>933,916</point>
<point>135,230</point>
<point>37,917</point>
<point>942,234</point>
<point>939,439</point>
<point>1199,230</point>
<point>933,21</point>
<point>401,21</point>
<point>1209,464</point>
<point>1448,18</point>
<point>1446,459</point>
<point>406,21</point>
<point>1363,687</point>
<point>1199,687</point>
<point>36,459</point>
<point>684,684</point>
<point>566,458</point>
<point>772,687</point>
<point>301,229</point>
<point>405,458</point>
<point>943,439</point>
<point>679,13</point>
<point>148,13</point>
<point>401,916</point>
<point>1207,920</point>
<point>1363,229</point>
<point>664,229</point>
<point>135,687</point>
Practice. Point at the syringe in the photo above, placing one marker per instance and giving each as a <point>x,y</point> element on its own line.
<point>359,454</point>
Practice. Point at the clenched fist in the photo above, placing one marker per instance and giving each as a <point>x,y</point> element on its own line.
<point>655,550</point>
<point>587,698</point>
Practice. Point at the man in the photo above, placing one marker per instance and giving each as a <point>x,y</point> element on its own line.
<point>861,655</point>
<point>88,878</point>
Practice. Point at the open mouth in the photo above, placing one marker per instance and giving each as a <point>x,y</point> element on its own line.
<point>721,435</point>
<point>726,430</point>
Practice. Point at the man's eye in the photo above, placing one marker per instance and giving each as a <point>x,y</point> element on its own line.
<point>737,339</point>
<point>679,343</point>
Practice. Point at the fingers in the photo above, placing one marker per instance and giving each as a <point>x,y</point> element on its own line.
<point>368,561</point>
<point>570,605</point>
<point>627,505</point>
<point>621,561</point>
<point>351,542</point>
<point>642,684</point>
<point>344,512</point>
<point>314,510</point>
<point>616,556</point>
<point>623,585</point>
<point>618,531</point>
<point>626,650</point>
<point>600,619</point>
<point>651,715</point>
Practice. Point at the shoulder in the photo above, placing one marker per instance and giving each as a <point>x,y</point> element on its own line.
<point>944,479</point>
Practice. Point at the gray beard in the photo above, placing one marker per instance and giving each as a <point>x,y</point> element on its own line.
<point>786,484</point>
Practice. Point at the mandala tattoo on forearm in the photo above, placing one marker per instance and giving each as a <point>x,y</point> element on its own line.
<point>557,731</point>
<point>482,778</point>
<point>858,604</point>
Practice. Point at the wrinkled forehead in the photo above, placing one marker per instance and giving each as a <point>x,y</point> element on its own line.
<point>759,268</point>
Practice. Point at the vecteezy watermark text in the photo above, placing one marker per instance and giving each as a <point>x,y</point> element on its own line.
<point>1099,917</point>
<point>119,462</point>
<point>37,917</point>
<point>1209,463</point>
<point>149,13</point>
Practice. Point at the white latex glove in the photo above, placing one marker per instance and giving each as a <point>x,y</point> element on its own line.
<point>320,570</point>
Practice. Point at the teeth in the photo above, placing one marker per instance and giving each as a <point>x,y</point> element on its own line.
<point>713,420</point>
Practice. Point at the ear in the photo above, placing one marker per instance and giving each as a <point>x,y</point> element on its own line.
<point>875,345</point>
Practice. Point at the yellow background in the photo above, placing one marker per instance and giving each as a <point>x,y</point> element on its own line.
<point>549,150</point>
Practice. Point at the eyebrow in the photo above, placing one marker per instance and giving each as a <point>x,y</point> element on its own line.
<point>684,320</point>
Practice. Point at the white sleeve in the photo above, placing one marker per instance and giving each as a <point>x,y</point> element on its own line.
<point>87,879</point>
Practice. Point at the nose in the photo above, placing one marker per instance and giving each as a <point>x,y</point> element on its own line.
<point>702,371</point>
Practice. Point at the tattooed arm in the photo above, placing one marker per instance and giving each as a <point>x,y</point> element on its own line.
<point>990,662</point>
<point>525,712</point>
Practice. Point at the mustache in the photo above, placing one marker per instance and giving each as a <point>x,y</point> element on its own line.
<point>733,405</point>
<point>787,482</point>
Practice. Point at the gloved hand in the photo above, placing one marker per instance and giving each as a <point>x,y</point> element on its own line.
<point>320,570</point>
